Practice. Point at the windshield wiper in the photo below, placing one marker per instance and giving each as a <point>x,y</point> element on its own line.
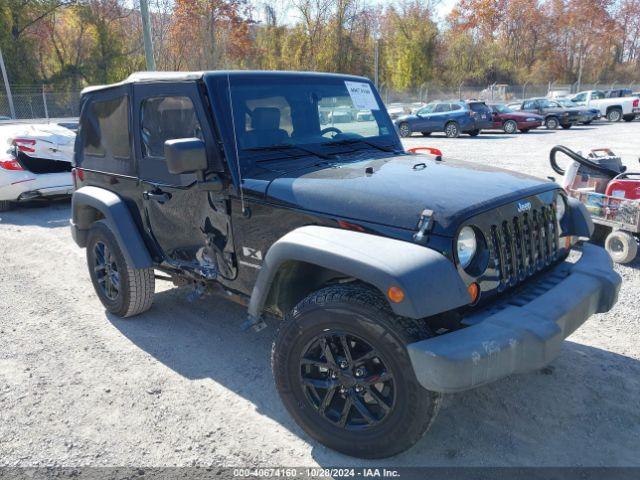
<point>351,141</point>
<point>285,146</point>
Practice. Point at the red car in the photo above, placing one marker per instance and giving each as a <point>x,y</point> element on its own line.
<point>511,120</point>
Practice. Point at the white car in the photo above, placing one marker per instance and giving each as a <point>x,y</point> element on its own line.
<point>35,162</point>
<point>614,109</point>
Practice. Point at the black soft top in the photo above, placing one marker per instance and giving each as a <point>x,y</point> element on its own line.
<point>157,77</point>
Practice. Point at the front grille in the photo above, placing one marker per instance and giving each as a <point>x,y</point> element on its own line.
<point>524,245</point>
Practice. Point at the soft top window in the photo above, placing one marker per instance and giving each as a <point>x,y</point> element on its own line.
<point>105,135</point>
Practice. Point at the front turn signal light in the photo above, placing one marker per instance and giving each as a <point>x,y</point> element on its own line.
<point>395,294</point>
<point>474,292</point>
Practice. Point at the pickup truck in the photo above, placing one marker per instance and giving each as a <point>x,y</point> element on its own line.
<point>391,277</point>
<point>614,109</point>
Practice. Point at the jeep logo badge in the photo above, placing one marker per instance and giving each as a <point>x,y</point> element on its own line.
<point>524,207</point>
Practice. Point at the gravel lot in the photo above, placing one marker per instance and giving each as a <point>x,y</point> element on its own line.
<point>182,385</point>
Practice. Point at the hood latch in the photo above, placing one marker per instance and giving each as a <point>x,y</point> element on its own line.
<point>425,224</point>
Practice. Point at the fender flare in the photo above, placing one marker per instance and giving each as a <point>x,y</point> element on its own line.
<point>577,221</point>
<point>118,218</point>
<point>430,281</point>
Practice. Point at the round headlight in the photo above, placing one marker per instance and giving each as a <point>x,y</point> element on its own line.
<point>467,246</point>
<point>561,207</point>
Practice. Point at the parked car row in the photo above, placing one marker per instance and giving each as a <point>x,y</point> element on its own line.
<point>471,117</point>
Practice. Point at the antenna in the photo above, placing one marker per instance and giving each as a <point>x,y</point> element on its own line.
<point>235,144</point>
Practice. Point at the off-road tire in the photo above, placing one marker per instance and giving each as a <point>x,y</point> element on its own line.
<point>474,133</point>
<point>137,285</point>
<point>5,205</point>
<point>614,115</point>
<point>452,130</point>
<point>405,130</point>
<point>551,123</point>
<point>622,246</point>
<point>355,310</point>
<point>510,126</point>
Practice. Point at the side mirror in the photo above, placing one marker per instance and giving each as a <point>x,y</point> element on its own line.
<point>185,155</point>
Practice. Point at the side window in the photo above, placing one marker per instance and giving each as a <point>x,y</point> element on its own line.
<point>442,107</point>
<point>455,106</point>
<point>597,95</point>
<point>165,118</point>
<point>580,98</point>
<point>529,105</point>
<point>105,136</point>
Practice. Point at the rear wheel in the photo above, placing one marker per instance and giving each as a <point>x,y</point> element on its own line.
<point>551,123</point>
<point>510,126</point>
<point>622,246</point>
<point>452,130</point>
<point>405,130</point>
<point>124,290</point>
<point>614,115</point>
<point>342,369</point>
<point>5,205</point>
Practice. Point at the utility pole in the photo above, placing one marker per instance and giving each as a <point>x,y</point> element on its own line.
<point>146,35</point>
<point>376,60</point>
<point>7,87</point>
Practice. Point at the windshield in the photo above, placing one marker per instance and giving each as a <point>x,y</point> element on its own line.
<point>312,115</point>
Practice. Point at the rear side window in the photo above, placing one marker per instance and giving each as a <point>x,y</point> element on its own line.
<point>478,107</point>
<point>455,106</point>
<point>442,107</point>
<point>105,135</point>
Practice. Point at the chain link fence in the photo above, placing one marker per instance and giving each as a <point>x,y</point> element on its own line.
<point>496,92</point>
<point>36,102</point>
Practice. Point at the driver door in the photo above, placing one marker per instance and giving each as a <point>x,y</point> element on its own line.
<point>189,225</point>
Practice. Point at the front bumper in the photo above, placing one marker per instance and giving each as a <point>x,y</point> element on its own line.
<point>523,333</point>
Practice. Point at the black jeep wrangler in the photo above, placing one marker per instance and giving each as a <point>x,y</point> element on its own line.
<point>393,277</point>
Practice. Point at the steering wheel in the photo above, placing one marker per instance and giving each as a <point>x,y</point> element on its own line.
<point>335,130</point>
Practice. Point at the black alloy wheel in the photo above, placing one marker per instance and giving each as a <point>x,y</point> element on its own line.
<point>106,270</point>
<point>346,381</point>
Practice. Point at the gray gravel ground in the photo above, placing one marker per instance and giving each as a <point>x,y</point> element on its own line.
<point>182,385</point>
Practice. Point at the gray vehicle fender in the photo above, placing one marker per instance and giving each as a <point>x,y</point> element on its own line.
<point>116,215</point>
<point>577,221</point>
<point>429,280</point>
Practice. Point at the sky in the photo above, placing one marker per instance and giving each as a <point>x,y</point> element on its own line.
<point>289,16</point>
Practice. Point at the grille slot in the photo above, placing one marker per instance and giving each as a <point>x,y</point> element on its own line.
<point>524,245</point>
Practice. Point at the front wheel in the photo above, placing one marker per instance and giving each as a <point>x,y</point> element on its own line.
<point>622,246</point>
<point>342,370</point>
<point>551,123</point>
<point>510,126</point>
<point>452,130</point>
<point>124,290</point>
<point>405,130</point>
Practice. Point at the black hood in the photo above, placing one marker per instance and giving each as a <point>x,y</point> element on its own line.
<point>400,187</point>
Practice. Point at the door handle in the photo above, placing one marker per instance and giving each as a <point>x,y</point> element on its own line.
<point>160,197</point>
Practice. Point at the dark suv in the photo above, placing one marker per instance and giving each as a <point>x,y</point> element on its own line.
<point>452,118</point>
<point>555,115</point>
<point>392,277</point>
